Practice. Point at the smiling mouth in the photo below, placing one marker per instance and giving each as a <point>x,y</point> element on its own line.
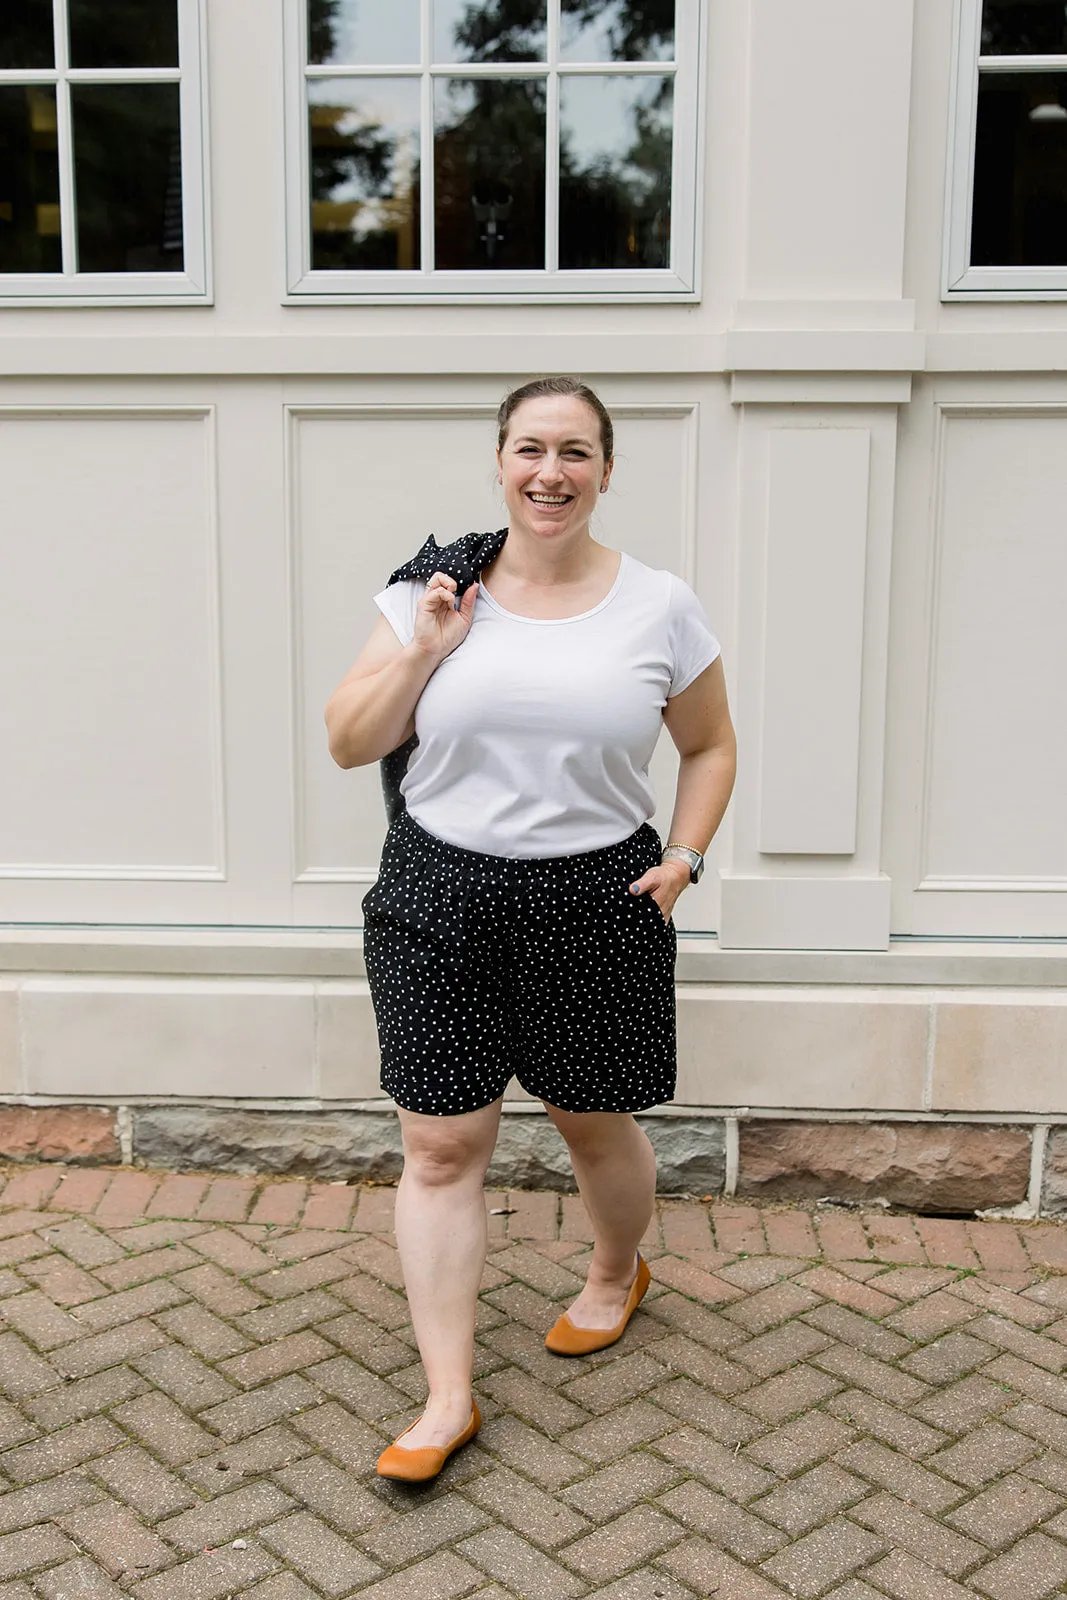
<point>550,501</point>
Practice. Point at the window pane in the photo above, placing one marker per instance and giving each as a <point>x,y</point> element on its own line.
<point>123,33</point>
<point>26,34</point>
<point>1024,28</point>
<point>494,30</point>
<point>615,172</point>
<point>617,30</point>
<point>29,180</point>
<point>364,32</point>
<point>1020,170</point>
<point>128,177</point>
<point>364,137</point>
<point>489,171</point>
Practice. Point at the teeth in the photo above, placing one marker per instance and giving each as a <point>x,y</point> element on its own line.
<point>551,499</point>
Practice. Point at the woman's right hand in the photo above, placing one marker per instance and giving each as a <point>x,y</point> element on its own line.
<point>439,627</point>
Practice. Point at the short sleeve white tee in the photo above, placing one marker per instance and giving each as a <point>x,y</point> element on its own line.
<point>535,736</point>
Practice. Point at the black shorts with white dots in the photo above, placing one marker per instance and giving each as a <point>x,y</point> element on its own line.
<point>547,969</point>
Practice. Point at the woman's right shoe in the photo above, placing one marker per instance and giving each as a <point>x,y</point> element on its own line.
<point>564,1339</point>
<point>419,1466</point>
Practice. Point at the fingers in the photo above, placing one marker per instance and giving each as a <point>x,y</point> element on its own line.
<point>466,605</point>
<point>650,880</point>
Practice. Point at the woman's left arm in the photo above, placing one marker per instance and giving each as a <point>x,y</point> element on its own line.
<point>698,720</point>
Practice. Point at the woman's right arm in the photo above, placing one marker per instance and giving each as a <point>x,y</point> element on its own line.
<point>372,710</point>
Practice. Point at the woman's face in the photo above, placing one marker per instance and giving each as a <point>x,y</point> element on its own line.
<point>552,466</point>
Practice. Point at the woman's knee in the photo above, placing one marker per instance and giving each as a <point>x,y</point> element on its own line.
<point>596,1135</point>
<point>439,1151</point>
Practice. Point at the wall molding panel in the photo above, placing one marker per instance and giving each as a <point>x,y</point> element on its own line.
<point>115,617</point>
<point>818,486</point>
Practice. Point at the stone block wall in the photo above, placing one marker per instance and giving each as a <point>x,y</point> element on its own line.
<point>923,1164</point>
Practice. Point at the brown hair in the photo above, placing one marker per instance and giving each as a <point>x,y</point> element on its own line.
<point>537,388</point>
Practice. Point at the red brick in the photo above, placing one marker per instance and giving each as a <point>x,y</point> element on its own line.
<point>374,1212</point>
<point>894,1239</point>
<point>790,1233</point>
<point>329,1205</point>
<point>279,1203</point>
<point>998,1246</point>
<point>739,1229</point>
<point>177,1196</point>
<point>231,1252</point>
<point>694,1283</point>
<point>227,1200</point>
<point>947,1244</point>
<point>127,1196</point>
<point>835,1286</point>
<point>685,1227</point>
<point>1047,1246</point>
<point>842,1237</point>
<point>32,1188</point>
<point>533,1215</point>
<point>57,1133</point>
<point>80,1191</point>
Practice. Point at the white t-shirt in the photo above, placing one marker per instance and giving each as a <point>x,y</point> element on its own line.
<point>535,736</point>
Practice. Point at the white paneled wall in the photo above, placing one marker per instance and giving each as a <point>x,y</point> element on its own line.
<point>109,629</point>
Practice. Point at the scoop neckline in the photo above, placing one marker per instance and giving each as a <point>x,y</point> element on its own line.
<point>555,622</point>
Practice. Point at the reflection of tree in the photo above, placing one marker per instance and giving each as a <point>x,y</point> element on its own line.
<point>322,15</point>
<point>637,29</point>
<point>489,166</point>
<point>489,152</point>
<point>502,30</point>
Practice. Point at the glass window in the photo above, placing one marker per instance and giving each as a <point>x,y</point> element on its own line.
<point>494,146</point>
<point>101,193</point>
<point>1007,228</point>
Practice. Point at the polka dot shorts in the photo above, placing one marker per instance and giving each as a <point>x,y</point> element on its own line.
<point>549,969</point>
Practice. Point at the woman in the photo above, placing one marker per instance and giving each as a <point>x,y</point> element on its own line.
<point>521,922</point>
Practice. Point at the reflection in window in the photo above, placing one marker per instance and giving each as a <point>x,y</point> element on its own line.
<point>29,180</point>
<point>617,30</point>
<point>352,33</point>
<point>615,172</point>
<point>1024,27</point>
<point>364,137</point>
<point>508,30</point>
<point>128,175</point>
<point>481,69</point>
<point>26,36</point>
<point>1020,170</point>
<point>123,33</point>
<point>489,173</point>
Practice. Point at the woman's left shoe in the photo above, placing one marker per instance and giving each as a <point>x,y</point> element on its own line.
<point>419,1466</point>
<point>564,1339</point>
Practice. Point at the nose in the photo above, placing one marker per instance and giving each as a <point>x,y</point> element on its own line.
<point>551,469</point>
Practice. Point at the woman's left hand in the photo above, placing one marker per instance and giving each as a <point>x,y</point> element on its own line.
<point>664,883</point>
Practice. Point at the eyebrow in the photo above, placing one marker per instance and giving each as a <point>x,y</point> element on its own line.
<point>531,438</point>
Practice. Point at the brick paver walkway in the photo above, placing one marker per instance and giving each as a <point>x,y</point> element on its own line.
<point>199,1373</point>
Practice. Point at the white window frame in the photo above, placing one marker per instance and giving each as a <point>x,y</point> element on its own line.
<point>678,282</point>
<point>192,286</point>
<point>960,280</point>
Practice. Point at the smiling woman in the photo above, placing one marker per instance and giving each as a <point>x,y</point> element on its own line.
<point>521,920</point>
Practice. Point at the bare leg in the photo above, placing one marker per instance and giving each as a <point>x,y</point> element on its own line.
<point>616,1172</point>
<point>441,1234</point>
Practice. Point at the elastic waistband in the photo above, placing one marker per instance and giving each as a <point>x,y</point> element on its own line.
<point>408,835</point>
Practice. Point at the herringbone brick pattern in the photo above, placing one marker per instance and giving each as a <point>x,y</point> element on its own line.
<point>197,1375</point>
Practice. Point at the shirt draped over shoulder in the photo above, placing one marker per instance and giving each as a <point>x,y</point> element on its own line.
<point>535,736</point>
